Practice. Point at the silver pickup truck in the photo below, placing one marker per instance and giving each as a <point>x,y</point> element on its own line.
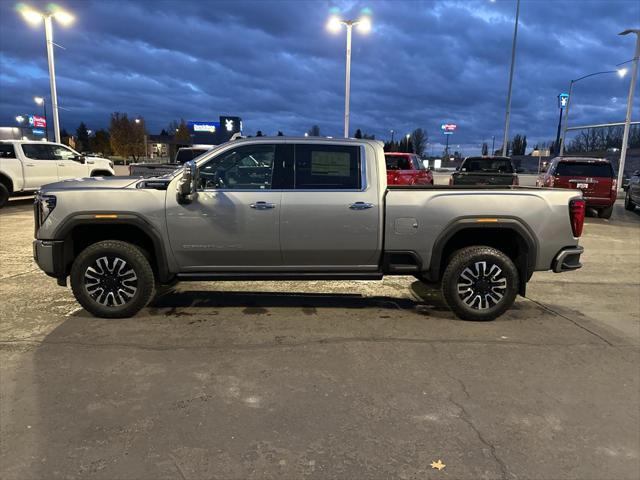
<point>298,208</point>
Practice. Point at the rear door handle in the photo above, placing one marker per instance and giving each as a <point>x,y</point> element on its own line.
<point>361,206</point>
<point>263,205</point>
<point>30,164</point>
<point>61,165</point>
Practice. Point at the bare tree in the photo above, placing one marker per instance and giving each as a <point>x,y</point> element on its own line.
<point>419,139</point>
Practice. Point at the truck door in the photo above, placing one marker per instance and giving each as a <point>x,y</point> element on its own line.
<point>233,222</point>
<point>69,165</point>
<point>39,164</point>
<point>330,220</point>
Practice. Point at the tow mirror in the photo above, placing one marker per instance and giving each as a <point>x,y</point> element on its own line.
<point>188,183</point>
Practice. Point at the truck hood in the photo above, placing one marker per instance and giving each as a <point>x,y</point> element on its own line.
<point>91,183</point>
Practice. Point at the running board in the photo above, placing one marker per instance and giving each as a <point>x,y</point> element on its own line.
<point>240,276</point>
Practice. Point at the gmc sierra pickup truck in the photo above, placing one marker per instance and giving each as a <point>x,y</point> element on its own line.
<point>300,208</point>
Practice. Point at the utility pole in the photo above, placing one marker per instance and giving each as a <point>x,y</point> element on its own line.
<point>627,120</point>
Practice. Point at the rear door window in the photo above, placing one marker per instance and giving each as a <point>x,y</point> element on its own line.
<point>584,169</point>
<point>327,167</point>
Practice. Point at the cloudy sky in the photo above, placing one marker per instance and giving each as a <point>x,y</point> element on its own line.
<point>275,64</point>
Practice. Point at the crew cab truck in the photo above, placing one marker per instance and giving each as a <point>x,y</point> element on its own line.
<point>27,165</point>
<point>305,209</point>
<point>485,171</point>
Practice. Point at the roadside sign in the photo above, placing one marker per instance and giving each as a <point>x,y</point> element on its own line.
<point>563,99</point>
<point>448,127</point>
<point>36,121</point>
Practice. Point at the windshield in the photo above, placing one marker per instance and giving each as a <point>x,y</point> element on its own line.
<point>487,165</point>
<point>584,169</point>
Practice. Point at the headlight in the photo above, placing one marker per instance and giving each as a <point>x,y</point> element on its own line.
<point>45,204</point>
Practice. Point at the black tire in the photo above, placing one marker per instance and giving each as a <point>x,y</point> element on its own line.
<point>628,204</point>
<point>466,293</point>
<point>4,195</point>
<point>101,173</point>
<point>605,212</point>
<point>104,285</point>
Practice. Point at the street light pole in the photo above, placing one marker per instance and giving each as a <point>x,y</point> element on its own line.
<point>627,120</point>
<point>620,72</point>
<point>364,25</point>
<point>513,62</point>
<point>48,32</point>
<point>34,16</point>
<point>347,83</point>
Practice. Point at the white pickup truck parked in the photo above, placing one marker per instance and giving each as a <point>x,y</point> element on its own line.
<point>27,165</point>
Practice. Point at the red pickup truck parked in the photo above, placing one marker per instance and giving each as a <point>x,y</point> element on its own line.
<point>406,169</point>
<point>594,176</point>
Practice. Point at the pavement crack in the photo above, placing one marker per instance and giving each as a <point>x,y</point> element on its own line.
<point>466,418</point>
<point>577,324</point>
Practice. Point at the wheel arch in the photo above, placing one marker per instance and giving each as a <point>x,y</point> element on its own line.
<point>80,231</point>
<point>509,235</point>
<point>6,181</point>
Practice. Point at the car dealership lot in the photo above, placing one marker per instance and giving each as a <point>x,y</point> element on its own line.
<point>324,379</point>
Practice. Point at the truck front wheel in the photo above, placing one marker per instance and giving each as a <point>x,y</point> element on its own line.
<point>112,279</point>
<point>480,283</point>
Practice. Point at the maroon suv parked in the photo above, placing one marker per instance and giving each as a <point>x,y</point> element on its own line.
<point>594,176</point>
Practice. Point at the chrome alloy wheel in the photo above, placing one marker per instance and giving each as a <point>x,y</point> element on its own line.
<point>481,286</point>
<point>111,281</point>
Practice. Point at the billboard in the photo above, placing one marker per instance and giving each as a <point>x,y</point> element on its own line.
<point>213,133</point>
<point>448,128</point>
<point>36,121</point>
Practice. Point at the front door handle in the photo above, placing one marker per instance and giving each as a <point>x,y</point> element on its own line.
<point>263,205</point>
<point>61,165</point>
<point>361,206</point>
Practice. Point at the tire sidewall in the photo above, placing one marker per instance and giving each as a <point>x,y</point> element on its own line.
<point>467,257</point>
<point>4,195</point>
<point>134,257</point>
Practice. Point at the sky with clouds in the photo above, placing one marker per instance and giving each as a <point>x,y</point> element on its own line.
<point>274,64</point>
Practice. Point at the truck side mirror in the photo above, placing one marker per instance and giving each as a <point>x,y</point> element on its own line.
<point>80,158</point>
<point>188,183</point>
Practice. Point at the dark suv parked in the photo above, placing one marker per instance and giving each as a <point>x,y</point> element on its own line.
<point>594,176</point>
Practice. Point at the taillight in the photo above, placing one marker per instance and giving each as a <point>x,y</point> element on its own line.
<point>451,180</point>
<point>551,182</point>
<point>576,214</point>
<point>614,185</point>
<point>515,181</point>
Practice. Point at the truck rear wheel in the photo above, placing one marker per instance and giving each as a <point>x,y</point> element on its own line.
<point>480,283</point>
<point>605,212</point>
<point>628,204</point>
<point>112,279</point>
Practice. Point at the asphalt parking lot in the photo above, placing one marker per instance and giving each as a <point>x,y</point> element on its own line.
<point>352,380</point>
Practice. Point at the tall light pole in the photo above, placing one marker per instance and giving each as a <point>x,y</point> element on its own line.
<point>513,62</point>
<point>41,101</point>
<point>621,72</point>
<point>627,119</point>
<point>34,17</point>
<point>364,25</point>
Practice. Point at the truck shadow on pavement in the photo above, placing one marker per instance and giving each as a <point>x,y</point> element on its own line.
<point>258,302</point>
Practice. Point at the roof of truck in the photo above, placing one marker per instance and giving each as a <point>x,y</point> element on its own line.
<point>582,159</point>
<point>309,139</point>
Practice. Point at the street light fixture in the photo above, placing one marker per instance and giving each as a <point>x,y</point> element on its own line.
<point>19,118</point>
<point>34,17</point>
<point>627,119</point>
<point>364,26</point>
<point>621,73</point>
